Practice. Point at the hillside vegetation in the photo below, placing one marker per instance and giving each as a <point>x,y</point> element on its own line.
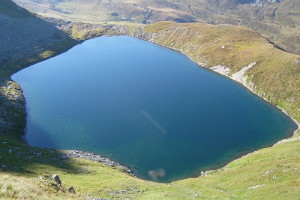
<point>277,20</point>
<point>270,173</point>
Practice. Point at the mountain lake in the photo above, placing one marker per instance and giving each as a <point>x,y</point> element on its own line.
<point>145,106</point>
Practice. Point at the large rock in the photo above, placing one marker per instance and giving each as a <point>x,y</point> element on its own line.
<point>71,190</point>
<point>56,179</point>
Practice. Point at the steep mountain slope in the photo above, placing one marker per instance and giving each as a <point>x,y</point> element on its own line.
<point>23,34</point>
<point>277,20</point>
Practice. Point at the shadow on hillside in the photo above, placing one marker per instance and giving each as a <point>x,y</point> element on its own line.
<point>18,157</point>
<point>24,40</point>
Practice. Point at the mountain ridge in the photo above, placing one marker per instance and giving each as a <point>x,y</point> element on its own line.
<point>278,21</point>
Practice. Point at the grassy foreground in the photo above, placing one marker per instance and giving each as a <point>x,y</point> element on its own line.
<point>270,173</point>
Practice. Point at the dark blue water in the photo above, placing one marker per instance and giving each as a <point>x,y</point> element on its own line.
<point>145,106</point>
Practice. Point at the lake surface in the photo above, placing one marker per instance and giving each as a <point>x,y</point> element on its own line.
<point>145,106</point>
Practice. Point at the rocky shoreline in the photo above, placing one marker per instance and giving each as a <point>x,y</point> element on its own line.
<point>97,158</point>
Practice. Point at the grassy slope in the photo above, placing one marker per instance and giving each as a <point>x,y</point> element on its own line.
<point>21,176</point>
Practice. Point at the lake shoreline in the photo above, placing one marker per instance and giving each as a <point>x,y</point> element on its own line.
<point>244,85</point>
<point>247,86</point>
<point>97,158</point>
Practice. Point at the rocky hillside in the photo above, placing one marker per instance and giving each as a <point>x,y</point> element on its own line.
<point>277,20</point>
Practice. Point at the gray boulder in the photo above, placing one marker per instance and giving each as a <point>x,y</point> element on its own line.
<point>71,190</point>
<point>56,179</point>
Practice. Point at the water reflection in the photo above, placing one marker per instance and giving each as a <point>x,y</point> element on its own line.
<point>153,122</point>
<point>157,174</point>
